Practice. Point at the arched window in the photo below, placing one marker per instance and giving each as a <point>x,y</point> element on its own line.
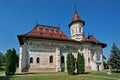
<point>51,59</point>
<point>38,60</point>
<point>62,59</point>
<point>31,60</point>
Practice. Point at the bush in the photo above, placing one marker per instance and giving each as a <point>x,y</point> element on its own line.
<point>2,59</point>
<point>80,65</point>
<point>10,60</point>
<point>70,64</point>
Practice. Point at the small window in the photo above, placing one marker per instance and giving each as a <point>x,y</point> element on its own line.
<point>51,59</point>
<point>37,60</point>
<point>51,34</point>
<point>31,60</point>
<point>60,35</point>
<point>41,28</point>
<point>57,30</point>
<point>89,60</point>
<point>62,59</point>
<point>41,33</point>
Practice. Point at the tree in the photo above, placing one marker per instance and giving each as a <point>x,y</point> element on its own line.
<point>80,65</point>
<point>83,64</point>
<point>10,60</point>
<point>2,59</point>
<point>70,64</point>
<point>105,62</point>
<point>114,59</point>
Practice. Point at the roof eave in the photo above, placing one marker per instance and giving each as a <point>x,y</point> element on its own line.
<point>21,41</point>
<point>76,21</point>
<point>102,44</point>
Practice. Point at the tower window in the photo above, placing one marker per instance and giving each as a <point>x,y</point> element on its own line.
<point>62,59</point>
<point>31,60</point>
<point>80,29</point>
<point>51,59</point>
<point>37,60</point>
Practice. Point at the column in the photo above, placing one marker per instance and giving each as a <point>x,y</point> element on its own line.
<point>20,60</point>
<point>101,59</point>
<point>58,62</point>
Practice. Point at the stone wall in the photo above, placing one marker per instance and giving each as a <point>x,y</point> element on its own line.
<point>43,49</point>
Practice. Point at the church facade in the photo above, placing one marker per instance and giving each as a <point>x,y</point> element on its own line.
<point>45,48</point>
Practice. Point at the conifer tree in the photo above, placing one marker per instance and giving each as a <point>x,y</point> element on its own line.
<point>114,59</point>
<point>80,63</point>
<point>2,59</point>
<point>70,64</point>
<point>10,60</point>
<point>83,64</point>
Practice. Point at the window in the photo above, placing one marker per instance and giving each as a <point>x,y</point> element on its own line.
<point>51,34</point>
<point>80,29</point>
<point>89,60</point>
<point>62,59</point>
<point>31,60</point>
<point>37,60</point>
<point>51,59</point>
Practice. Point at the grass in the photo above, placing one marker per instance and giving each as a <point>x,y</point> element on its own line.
<point>2,69</point>
<point>52,77</point>
<point>104,74</point>
<point>58,76</point>
<point>61,76</point>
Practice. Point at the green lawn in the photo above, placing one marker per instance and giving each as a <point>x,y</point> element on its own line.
<point>59,76</point>
<point>62,76</point>
<point>52,77</point>
<point>2,69</point>
<point>104,74</point>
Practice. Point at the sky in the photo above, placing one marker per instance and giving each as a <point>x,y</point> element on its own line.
<point>102,19</point>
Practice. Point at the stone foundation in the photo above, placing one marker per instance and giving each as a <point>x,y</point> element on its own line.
<point>87,68</point>
<point>42,70</point>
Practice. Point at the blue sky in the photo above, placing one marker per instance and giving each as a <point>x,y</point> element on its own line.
<point>102,18</point>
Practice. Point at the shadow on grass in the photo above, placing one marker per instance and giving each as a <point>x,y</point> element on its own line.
<point>83,73</point>
<point>27,73</point>
<point>2,68</point>
<point>86,72</point>
<point>116,71</point>
<point>7,77</point>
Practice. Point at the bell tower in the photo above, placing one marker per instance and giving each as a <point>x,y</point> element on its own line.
<point>76,27</point>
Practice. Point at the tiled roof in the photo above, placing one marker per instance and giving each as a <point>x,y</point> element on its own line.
<point>92,39</point>
<point>45,32</point>
<point>76,18</point>
<point>54,33</point>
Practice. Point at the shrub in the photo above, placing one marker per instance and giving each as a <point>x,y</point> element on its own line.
<point>10,60</point>
<point>80,63</point>
<point>70,64</point>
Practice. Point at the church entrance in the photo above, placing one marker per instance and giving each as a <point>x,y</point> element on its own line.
<point>98,67</point>
<point>62,64</point>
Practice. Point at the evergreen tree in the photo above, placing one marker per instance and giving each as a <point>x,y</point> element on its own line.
<point>83,64</point>
<point>2,59</point>
<point>114,59</point>
<point>70,64</point>
<point>80,63</point>
<point>10,60</point>
<point>105,62</point>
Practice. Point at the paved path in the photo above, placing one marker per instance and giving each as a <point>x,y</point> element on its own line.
<point>101,77</point>
<point>61,74</point>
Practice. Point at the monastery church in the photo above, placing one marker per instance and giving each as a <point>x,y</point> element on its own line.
<point>45,48</point>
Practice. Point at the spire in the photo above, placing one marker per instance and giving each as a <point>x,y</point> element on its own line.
<point>76,18</point>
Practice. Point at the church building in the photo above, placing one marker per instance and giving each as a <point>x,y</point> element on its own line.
<point>45,48</point>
